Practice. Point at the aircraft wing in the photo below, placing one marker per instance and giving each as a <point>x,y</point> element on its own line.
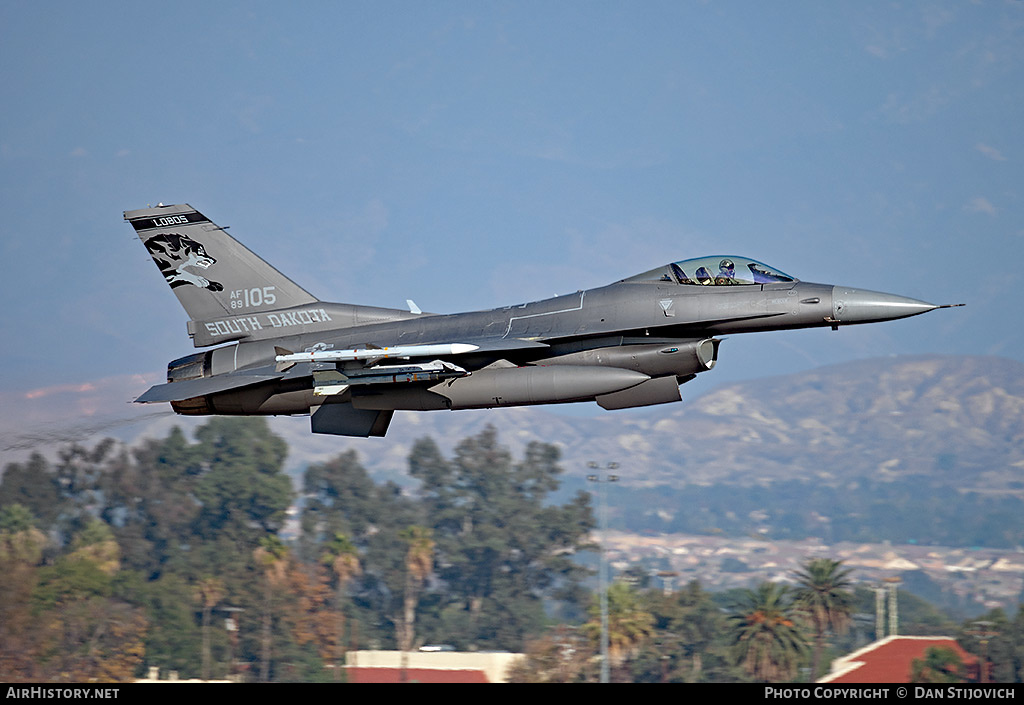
<point>179,391</point>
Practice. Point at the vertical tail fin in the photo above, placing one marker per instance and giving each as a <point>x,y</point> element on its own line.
<point>212,274</point>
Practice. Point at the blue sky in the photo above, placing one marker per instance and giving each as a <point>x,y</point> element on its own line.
<point>476,154</point>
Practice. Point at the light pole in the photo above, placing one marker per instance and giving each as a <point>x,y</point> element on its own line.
<point>231,626</point>
<point>984,631</point>
<point>603,570</point>
<point>667,576</point>
<point>894,615</point>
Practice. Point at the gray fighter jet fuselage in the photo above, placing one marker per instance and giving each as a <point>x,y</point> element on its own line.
<point>280,350</point>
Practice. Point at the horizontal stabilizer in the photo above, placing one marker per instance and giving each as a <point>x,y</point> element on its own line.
<point>179,391</point>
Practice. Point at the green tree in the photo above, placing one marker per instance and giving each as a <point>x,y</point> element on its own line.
<point>823,596</point>
<point>242,492</point>
<point>419,560</point>
<point>342,558</point>
<point>173,641</point>
<point>33,485</point>
<point>502,548</point>
<point>20,541</point>
<point>766,639</point>
<point>342,499</point>
<point>685,638</point>
<point>940,664</point>
<point>90,627</point>
<point>629,624</point>
<point>307,635</point>
<point>21,550</point>
<point>80,475</point>
<point>135,530</point>
<point>209,591</point>
<point>96,543</point>
<point>1016,637</point>
<point>991,638</point>
<point>271,557</point>
<point>152,503</point>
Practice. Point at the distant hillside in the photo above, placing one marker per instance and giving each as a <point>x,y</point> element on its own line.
<point>957,421</point>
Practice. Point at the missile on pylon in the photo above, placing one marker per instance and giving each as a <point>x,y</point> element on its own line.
<point>286,358</point>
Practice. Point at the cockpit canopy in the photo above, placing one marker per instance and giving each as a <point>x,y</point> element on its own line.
<point>715,271</point>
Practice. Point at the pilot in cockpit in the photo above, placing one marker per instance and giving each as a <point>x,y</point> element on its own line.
<point>726,273</point>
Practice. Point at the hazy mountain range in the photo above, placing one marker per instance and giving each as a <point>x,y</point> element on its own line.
<point>957,421</point>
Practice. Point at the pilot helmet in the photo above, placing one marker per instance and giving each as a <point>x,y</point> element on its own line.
<point>726,264</point>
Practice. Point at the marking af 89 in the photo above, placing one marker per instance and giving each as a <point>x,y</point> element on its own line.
<point>280,350</point>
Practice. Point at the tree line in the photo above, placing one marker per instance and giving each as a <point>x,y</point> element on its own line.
<point>198,557</point>
<point>183,555</point>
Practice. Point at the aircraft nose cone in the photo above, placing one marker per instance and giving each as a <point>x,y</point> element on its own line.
<point>862,306</point>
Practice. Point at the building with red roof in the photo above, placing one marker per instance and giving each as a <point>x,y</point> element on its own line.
<point>370,674</point>
<point>890,660</point>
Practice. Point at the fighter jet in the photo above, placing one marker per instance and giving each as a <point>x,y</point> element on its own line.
<point>275,349</point>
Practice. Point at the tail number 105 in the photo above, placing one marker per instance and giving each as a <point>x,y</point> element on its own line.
<point>250,298</point>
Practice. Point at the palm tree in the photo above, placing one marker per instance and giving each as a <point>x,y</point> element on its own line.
<point>272,556</point>
<point>628,623</point>
<point>767,641</point>
<point>823,595</point>
<point>697,622</point>
<point>209,591</point>
<point>419,561</point>
<point>341,556</point>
